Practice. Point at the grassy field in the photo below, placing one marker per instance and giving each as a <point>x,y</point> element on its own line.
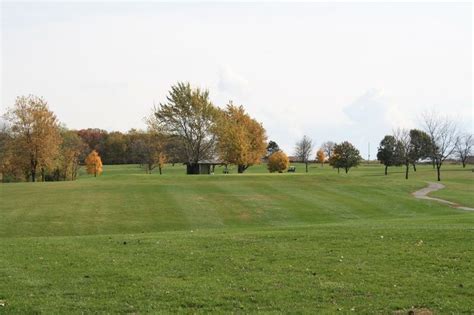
<point>128,242</point>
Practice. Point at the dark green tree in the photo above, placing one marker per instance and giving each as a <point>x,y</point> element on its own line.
<point>272,147</point>
<point>115,148</point>
<point>345,156</point>
<point>387,152</point>
<point>420,146</point>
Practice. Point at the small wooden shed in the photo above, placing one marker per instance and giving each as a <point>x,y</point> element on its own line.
<point>202,167</point>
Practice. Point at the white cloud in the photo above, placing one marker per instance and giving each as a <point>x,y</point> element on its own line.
<point>373,115</point>
<point>376,111</point>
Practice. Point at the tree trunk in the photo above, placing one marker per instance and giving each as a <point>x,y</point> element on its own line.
<point>406,171</point>
<point>438,168</point>
<point>347,170</point>
<point>159,169</point>
<point>42,174</point>
<point>338,170</point>
<point>241,168</point>
<point>414,167</point>
<point>306,167</point>
<point>463,163</point>
<point>33,170</point>
<point>386,167</point>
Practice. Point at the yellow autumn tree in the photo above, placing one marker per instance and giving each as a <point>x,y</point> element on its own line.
<point>35,130</point>
<point>161,160</point>
<point>94,163</point>
<point>278,162</point>
<point>241,140</point>
<point>321,156</point>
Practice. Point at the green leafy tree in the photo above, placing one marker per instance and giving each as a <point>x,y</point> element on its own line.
<point>387,152</point>
<point>345,156</point>
<point>115,148</point>
<point>420,146</point>
<point>272,147</point>
<point>188,115</point>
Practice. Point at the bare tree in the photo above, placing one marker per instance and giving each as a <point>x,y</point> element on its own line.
<point>443,133</point>
<point>328,147</point>
<point>464,146</point>
<point>403,148</point>
<point>303,150</point>
<point>149,149</point>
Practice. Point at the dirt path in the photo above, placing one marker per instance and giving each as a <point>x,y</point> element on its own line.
<point>422,194</point>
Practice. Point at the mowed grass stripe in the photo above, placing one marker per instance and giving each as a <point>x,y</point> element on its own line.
<point>319,268</point>
<point>135,202</point>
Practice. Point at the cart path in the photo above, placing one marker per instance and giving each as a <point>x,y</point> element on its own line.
<point>422,194</point>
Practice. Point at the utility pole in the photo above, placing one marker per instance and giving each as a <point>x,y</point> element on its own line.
<point>368,159</point>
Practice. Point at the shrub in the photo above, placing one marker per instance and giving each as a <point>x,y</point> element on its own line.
<point>278,162</point>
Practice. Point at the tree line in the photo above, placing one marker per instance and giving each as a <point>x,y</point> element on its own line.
<point>187,128</point>
<point>230,135</point>
<point>439,140</point>
<point>35,146</point>
<point>342,155</point>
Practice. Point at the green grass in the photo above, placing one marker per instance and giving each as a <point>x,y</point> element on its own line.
<point>128,242</point>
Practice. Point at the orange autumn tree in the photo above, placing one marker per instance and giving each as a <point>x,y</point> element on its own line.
<point>278,162</point>
<point>321,156</point>
<point>241,140</point>
<point>94,163</point>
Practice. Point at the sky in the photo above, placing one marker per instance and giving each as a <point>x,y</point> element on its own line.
<point>331,71</point>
